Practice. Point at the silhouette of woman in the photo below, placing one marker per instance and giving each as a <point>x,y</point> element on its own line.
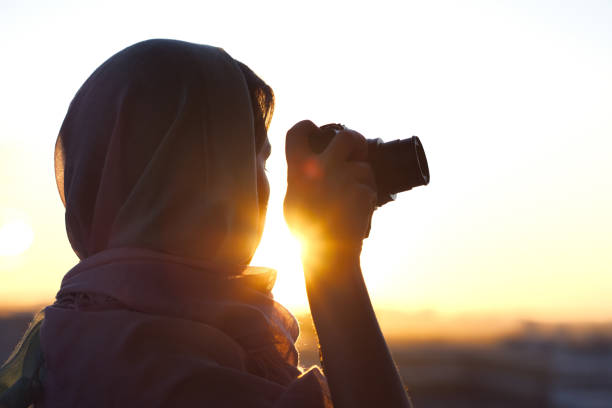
<point>160,164</point>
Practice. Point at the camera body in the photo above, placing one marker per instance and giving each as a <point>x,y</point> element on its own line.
<point>398,166</point>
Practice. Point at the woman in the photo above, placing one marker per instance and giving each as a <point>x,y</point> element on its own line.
<point>160,164</point>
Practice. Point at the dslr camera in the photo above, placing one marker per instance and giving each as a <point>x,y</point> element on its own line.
<point>398,166</point>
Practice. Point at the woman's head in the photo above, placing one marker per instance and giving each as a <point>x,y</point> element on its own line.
<point>161,148</point>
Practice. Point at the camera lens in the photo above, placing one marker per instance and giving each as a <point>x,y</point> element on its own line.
<point>398,166</point>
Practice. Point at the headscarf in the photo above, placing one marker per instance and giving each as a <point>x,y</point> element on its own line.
<point>156,165</point>
<point>157,151</point>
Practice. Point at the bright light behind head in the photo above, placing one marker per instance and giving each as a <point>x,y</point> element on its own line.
<point>16,235</point>
<point>280,250</point>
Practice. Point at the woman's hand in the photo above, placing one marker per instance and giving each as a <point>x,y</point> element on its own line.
<point>329,202</point>
<point>330,196</point>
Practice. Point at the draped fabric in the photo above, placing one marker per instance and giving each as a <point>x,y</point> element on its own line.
<point>173,332</point>
<point>156,165</point>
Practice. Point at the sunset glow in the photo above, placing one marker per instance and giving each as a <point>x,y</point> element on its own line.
<point>511,100</point>
<point>281,250</point>
<point>16,236</point>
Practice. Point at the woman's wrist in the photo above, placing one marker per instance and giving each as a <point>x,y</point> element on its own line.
<point>331,249</point>
<point>331,260</point>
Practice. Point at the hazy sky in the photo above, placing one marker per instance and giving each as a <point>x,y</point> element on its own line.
<point>512,101</point>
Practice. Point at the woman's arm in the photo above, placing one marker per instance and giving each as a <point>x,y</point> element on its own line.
<point>329,202</point>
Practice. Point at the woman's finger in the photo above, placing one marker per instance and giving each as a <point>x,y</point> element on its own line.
<point>297,148</point>
<point>347,145</point>
<point>362,172</point>
<point>364,199</point>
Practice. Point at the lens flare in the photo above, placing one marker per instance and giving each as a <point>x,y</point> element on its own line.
<point>279,249</point>
<point>312,168</point>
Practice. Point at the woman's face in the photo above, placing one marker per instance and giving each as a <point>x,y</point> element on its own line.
<point>263,186</point>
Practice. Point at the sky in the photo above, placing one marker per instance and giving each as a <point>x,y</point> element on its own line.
<point>511,99</point>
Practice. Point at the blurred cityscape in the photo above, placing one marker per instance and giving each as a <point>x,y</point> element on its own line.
<point>537,365</point>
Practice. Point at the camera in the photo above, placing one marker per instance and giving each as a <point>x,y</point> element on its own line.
<point>398,166</point>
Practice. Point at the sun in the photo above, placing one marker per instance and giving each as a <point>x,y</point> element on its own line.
<point>281,250</point>
<point>16,234</point>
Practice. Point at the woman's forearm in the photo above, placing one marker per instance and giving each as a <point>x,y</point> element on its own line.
<point>355,356</point>
<point>329,203</point>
